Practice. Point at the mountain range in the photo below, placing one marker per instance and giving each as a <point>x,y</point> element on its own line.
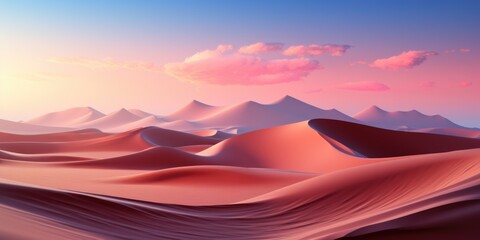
<point>233,119</point>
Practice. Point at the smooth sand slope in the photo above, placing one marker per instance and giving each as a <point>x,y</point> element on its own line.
<point>317,179</point>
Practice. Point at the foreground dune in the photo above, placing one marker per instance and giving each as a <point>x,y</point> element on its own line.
<point>318,179</point>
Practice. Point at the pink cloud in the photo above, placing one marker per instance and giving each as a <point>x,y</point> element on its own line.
<point>219,66</point>
<point>260,47</point>
<point>208,54</point>
<point>314,49</point>
<point>364,86</point>
<point>466,84</point>
<point>405,60</point>
<point>461,50</point>
<point>107,63</point>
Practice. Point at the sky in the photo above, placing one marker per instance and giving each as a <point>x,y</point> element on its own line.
<point>160,55</point>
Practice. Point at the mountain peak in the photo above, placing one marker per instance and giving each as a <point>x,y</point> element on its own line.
<point>372,110</point>
<point>411,119</point>
<point>67,117</point>
<point>375,108</point>
<point>196,103</point>
<point>287,99</point>
<point>192,111</point>
<point>124,112</point>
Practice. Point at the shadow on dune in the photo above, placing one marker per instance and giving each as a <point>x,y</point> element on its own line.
<point>375,142</point>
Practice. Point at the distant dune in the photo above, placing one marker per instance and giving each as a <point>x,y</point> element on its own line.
<point>26,128</point>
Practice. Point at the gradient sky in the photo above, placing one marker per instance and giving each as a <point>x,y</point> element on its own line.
<point>159,55</point>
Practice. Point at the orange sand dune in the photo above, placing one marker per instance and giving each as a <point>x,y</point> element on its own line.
<point>26,128</point>
<point>53,137</point>
<point>134,140</point>
<point>213,134</point>
<point>152,158</point>
<point>38,158</point>
<point>388,143</point>
<point>317,179</point>
<point>324,145</point>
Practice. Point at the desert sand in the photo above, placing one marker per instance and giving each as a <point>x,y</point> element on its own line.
<point>315,179</point>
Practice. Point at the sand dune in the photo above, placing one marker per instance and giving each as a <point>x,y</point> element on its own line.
<point>213,134</point>
<point>338,204</point>
<point>316,179</point>
<point>53,137</point>
<point>26,128</point>
<point>388,143</point>
<point>4,155</point>
<point>134,140</point>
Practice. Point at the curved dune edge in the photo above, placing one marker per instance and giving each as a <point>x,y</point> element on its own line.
<point>76,135</point>
<point>12,157</point>
<point>375,142</point>
<point>220,175</point>
<point>459,219</point>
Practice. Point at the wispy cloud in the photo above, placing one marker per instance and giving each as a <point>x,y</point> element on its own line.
<point>405,60</point>
<point>260,47</point>
<point>370,86</point>
<point>314,50</point>
<point>461,50</point>
<point>103,63</point>
<point>226,67</point>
